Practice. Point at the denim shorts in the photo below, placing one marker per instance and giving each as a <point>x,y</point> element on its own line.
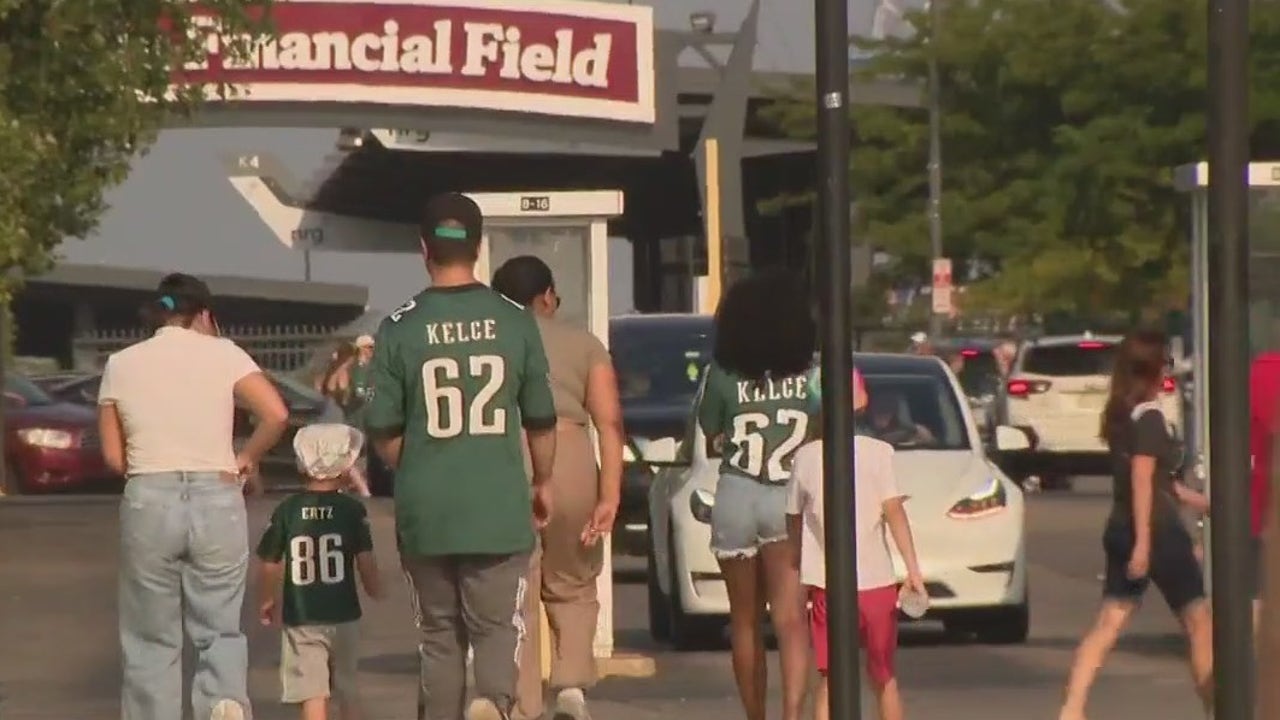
<point>746,515</point>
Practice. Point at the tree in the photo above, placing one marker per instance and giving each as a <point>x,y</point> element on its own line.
<point>1062,123</point>
<point>84,89</point>
<point>85,86</point>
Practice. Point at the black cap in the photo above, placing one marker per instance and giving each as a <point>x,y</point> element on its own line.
<point>522,278</point>
<point>182,293</point>
<point>447,209</point>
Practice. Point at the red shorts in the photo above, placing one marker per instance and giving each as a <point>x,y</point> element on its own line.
<point>877,629</point>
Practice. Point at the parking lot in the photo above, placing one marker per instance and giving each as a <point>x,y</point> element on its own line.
<point>59,657</point>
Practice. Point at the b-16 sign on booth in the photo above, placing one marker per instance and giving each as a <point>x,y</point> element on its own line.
<point>559,57</point>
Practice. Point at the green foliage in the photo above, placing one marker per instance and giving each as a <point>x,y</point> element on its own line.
<point>1062,122</point>
<point>85,88</point>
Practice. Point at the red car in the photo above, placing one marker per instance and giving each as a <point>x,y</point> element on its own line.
<point>50,445</point>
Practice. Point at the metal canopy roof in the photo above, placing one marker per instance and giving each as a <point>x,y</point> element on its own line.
<point>118,278</point>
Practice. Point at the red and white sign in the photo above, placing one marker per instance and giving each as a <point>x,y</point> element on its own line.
<point>558,57</point>
<point>941,294</point>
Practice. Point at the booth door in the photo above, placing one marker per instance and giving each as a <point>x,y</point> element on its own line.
<point>1264,268</point>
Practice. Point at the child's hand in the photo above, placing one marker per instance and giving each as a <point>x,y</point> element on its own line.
<point>915,582</point>
<point>269,613</point>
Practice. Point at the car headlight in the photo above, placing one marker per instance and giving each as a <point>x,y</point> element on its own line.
<point>989,499</point>
<point>700,504</point>
<point>50,438</point>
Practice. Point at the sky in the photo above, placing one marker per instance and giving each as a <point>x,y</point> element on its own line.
<point>177,211</point>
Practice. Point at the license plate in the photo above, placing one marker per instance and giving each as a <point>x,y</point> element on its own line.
<point>1091,402</point>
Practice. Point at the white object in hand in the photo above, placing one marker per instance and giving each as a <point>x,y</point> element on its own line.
<point>913,604</point>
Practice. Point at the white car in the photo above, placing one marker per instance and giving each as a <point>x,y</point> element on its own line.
<point>1056,391</point>
<point>967,516</point>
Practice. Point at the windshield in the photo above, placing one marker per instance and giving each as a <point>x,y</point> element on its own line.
<point>1088,357</point>
<point>914,412</point>
<point>30,393</point>
<point>660,362</point>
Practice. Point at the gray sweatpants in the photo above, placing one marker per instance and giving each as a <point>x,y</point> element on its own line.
<point>461,600</point>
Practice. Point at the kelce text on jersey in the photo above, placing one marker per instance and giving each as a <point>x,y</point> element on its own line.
<point>792,388</point>
<point>452,333</point>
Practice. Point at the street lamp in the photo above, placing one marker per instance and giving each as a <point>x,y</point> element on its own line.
<point>935,153</point>
<point>702,22</point>
<point>831,18</point>
<point>1228,355</point>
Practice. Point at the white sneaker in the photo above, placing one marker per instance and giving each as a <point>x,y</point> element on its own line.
<point>484,709</point>
<point>227,710</point>
<point>571,704</point>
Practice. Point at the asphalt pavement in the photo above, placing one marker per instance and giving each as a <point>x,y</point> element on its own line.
<point>59,657</point>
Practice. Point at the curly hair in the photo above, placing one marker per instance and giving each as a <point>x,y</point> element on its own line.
<point>765,326</point>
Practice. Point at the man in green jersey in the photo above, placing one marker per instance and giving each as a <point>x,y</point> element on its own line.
<point>317,542</point>
<point>456,372</point>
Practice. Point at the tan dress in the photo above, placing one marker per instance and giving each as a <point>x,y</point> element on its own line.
<point>563,574</point>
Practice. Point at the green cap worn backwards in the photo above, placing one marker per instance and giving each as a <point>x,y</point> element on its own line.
<point>451,233</point>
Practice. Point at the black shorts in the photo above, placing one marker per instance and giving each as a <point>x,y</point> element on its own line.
<point>1173,567</point>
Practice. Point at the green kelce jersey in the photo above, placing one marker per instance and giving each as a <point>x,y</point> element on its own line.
<point>317,536</point>
<point>763,422</point>
<point>455,372</point>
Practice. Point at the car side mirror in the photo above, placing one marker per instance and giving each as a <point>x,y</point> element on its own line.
<point>1011,439</point>
<point>14,401</point>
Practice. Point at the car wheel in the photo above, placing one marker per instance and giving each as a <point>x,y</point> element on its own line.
<point>11,484</point>
<point>381,479</point>
<point>659,611</point>
<point>689,632</point>
<point>1006,626</point>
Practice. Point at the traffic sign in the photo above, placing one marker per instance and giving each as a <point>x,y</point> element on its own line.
<point>941,295</point>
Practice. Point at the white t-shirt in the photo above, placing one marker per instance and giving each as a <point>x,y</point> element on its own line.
<point>175,396</point>
<point>876,485</point>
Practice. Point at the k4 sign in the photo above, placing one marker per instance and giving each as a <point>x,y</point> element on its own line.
<point>557,57</point>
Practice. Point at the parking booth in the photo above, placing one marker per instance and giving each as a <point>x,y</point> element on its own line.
<point>1264,292</point>
<point>568,230</point>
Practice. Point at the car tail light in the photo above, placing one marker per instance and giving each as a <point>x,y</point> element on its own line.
<point>1169,385</point>
<point>969,353</point>
<point>1091,345</point>
<point>1023,388</point>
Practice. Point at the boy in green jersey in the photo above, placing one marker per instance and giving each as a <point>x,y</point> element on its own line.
<point>457,372</point>
<point>316,544</point>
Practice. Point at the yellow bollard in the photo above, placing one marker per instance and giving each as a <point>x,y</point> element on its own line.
<point>544,642</point>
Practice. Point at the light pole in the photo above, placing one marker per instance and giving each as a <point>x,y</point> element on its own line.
<point>832,64</point>
<point>935,155</point>
<point>1228,131</point>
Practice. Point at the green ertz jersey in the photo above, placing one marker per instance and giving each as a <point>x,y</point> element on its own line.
<point>317,536</point>
<point>456,371</point>
<point>762,422</point>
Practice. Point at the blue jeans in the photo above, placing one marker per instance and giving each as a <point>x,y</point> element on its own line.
<point>184,555</point>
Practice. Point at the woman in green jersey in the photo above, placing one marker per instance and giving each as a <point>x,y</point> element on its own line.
<point>755,409</point>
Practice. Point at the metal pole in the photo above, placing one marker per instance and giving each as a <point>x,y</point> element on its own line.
<point>935,155</point>
<point>1228,130</point>
<point>306,264</point>
<point>715,243</point>
<point>832,64</point>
